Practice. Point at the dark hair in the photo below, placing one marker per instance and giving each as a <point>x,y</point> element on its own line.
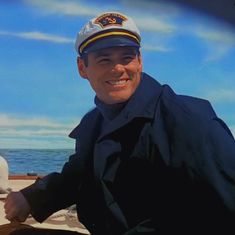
<point>84,57</point>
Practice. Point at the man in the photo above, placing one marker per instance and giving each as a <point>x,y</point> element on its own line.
<point>147,161</point>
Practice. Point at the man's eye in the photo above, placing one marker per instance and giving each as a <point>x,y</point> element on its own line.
<point>103,61</point>
<point>129,57</point>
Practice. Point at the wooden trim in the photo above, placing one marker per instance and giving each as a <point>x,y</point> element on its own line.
<point>24,177</point>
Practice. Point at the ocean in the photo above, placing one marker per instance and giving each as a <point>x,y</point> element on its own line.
<point>35,161</point>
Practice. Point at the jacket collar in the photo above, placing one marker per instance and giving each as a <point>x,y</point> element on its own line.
<point>141,105</point>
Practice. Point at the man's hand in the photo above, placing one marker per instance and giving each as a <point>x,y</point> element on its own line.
<point>16,207</point>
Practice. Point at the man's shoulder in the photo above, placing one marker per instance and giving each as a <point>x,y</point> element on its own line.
<point>186,103</point>
<point>88,121</point>
<point>174,100</point>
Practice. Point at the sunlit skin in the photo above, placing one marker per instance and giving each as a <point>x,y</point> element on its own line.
<point>114,73</point>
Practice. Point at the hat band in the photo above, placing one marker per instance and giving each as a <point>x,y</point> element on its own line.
<point>86,43</point>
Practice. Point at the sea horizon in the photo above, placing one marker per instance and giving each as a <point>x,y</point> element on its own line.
<point>35,161</point>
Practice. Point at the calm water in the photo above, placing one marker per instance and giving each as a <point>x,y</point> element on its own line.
<point>40,161</point>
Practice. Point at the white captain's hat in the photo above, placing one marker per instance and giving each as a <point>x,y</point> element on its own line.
<point>110,29</point>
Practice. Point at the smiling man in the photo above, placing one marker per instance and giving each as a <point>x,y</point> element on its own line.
<point>147,161</point>
<point>114,73</point>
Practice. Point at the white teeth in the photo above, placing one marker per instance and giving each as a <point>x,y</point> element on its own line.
<point>118,82</point>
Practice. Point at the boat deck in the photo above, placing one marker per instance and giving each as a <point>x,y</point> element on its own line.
<point>64,219</point>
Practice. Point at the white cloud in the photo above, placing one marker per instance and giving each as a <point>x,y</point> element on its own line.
<point>32,133</point>
<point>35,35</point>
<point>155,48</point>
<point>216,53</point>
<point>220,41</point>
<point>152,24</point>
<point>162,8</point>
<point>221,95</point>
<point>24,132</point>
<point>78,8</point>
<point>146,23</point>
<point>10,121</point>
<point>64,7</point>
<point>58,39</point>
<point>227,37</point>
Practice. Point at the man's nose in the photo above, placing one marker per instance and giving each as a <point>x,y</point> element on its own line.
<point>118,68</point>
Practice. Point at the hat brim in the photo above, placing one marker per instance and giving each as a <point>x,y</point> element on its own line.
<point>114,41</point>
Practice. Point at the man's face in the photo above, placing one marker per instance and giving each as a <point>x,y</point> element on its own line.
<point>114,73</point>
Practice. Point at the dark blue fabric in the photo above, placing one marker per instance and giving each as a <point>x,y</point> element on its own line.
<point>164,165</point>
<point>111,41</point>
<point>109,111</point>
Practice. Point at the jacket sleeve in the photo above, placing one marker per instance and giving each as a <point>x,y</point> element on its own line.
<point>212,150</point>
<point>60,190</point>
<point>218,166</point>
<point>54,191</point>
<point>190,136</point>
<point>206,144</point>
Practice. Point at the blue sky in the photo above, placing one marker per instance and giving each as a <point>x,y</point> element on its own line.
<point>42,95</point>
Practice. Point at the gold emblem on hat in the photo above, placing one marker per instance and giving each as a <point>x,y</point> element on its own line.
<point>110,19</point>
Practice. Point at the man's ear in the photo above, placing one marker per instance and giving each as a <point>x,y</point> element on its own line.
<point>81,67</point>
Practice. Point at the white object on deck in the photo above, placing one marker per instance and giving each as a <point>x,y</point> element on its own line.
<point>4,184</point>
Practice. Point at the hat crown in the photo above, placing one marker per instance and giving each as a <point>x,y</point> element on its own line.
<point>108,21</point>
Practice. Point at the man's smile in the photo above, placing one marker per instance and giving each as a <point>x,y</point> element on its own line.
<point>118,82</point>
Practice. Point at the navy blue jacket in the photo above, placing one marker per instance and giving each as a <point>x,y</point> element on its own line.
<point>165,164</point>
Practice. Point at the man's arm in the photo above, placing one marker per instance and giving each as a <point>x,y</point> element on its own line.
<point>47,195</point>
